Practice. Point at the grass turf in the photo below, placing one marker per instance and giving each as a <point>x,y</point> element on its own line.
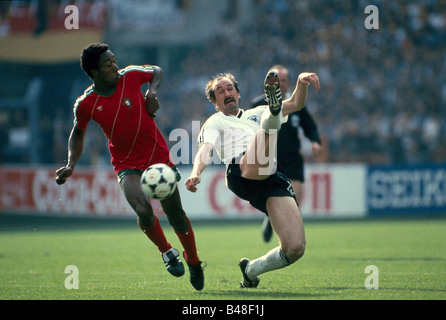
<point>120,263</point>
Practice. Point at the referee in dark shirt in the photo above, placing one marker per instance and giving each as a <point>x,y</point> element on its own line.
<point>289,157</point>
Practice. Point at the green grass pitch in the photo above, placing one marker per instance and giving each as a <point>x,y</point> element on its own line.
<point>119,263</point>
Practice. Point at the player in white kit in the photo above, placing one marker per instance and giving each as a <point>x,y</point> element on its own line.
<point>246,142</point>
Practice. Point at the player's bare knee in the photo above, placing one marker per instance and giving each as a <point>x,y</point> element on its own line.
<point>178,221</point>
<point>294,251</point>
<point>144,213</point>
<point>145,219</point>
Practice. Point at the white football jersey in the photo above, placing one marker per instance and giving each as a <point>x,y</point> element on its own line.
<point>230,135</point>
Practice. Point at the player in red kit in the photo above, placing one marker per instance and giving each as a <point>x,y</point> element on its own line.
<point>116,103</point>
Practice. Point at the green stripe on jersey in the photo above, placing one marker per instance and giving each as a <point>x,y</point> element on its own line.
<point>87,92</point>
<point>147,69</point>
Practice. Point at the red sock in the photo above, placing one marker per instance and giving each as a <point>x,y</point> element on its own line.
<point>188,241</point>
<point>156,234</point>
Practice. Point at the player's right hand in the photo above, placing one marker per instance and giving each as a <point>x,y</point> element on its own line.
<point>152,104</point>
<point>62,174</point>
<point>192,182</point>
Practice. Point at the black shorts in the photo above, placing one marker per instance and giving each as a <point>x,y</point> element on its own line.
<point>293,168</point>
<point>257,191</point>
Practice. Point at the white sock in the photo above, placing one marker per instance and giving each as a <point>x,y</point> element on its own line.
<point>271,124</point>
<point>274,259</point>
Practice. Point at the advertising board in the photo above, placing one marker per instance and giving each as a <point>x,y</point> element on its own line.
<point>330,191</point>
<point>406,189</point>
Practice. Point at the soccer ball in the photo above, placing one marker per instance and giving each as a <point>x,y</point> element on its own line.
<point>158,181</point>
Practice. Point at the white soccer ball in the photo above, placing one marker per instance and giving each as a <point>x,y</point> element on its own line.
<point>158,181</point>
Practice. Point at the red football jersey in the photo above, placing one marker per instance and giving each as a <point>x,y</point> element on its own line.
<point>134,140</point>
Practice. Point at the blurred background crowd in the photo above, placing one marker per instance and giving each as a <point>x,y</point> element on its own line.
<point>382,97</point>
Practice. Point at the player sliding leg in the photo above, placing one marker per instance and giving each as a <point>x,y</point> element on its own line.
<point>287,223</point>
<point>283,211</point>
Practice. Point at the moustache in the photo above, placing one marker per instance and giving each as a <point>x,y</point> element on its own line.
<point>229,99</point>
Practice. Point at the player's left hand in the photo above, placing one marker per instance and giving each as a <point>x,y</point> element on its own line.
<point>152,104</point>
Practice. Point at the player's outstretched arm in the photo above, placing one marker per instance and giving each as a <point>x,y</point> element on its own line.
<point>201,161</point>
<point>297,100</point>
<point>75,147</point>
<point>152,104</point>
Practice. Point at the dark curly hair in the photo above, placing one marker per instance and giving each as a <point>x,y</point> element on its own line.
<point>90,57</point>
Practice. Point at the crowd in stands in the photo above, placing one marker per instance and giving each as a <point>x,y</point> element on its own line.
<point>383,91</point>
<point>383,95</point>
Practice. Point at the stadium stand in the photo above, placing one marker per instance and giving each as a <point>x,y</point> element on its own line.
<point>383,91</point>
